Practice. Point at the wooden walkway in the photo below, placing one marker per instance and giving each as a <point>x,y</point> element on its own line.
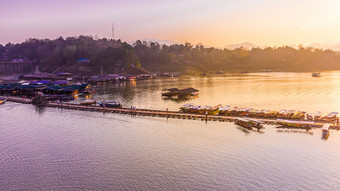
<point>149,112</point>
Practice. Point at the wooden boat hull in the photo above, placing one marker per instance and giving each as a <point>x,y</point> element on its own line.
<point>110,105</point>
<point>325,135</point>
<point>88,103</point>
<point>249,124</point>
<point>3,100</point>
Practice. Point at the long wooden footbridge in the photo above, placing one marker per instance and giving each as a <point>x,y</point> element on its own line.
<point>150,112</point>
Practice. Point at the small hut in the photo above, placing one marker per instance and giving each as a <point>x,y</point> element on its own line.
<point>188,92</point>
<point>170,92</point>
<point>180,93</point>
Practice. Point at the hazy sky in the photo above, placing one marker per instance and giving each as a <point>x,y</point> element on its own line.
<point>211,22</point>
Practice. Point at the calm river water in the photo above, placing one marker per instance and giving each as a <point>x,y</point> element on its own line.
<point>56,149</point>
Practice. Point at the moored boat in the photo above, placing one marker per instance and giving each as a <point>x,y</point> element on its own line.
<point>88,102</point>
<point>295,124</point>
<point>249,123</point>
<point>330,117</point>
<point>223,110</point>
<point>316,74</point>
<point>185,108</point>
<point>244,111</point>
<point>193,109</point>
<point>317,115</point>
<point>59,97</point>
<point>112,104</point>
<point>204,109</point>
<point>300,115</point>
<point>309,117</point>
<point>214,110</point>
<point>3,100</point>
<point>271,114</point>
<point>325,131</point>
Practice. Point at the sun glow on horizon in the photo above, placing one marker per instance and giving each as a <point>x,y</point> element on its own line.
<point>212,23</point>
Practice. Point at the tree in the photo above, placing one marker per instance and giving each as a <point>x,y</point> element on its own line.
<point>137,63</point>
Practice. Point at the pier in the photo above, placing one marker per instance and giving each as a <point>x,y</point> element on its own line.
<point>153,113</point>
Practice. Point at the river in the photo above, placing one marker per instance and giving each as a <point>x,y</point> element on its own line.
<point>58,149</point>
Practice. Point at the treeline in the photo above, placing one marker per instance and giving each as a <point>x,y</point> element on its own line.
<point>64,53</point>
<point>111,56</point>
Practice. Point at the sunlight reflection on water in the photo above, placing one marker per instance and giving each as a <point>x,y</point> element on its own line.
<point>58,149</point>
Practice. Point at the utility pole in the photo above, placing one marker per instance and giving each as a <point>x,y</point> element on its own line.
<point>113,32</point>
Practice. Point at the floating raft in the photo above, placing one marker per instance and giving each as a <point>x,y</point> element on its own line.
<point>162,113</point>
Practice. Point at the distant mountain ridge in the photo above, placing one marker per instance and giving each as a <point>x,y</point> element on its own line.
<point>335,47</point>
<point>248,45</point>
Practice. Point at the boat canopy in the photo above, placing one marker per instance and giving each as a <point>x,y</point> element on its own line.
<point>206,107</point>
<point>112,102</point>
<point>226,107</point>
<point>325,127</point>
<point>295,122</point>
<point>188,105</point>
<point>195,107</point>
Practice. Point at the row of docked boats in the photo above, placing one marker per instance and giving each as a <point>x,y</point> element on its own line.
<point>209,110</point>
<point>89,102</point>
<point>284,123</point>
<point>60,97</point>
<point>251,112</point>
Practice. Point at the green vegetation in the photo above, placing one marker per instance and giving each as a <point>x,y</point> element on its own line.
<point>112,56</point>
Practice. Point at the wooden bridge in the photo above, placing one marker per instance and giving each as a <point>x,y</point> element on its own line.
<point>152,113</point>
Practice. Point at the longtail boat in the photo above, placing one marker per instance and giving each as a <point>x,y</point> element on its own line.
<point>317,115</point>
<point>194,109</point>
<point>88,102</point>
<point>330,117</point>
<point>249,123</point>
<point>309,117</point>
<point>223,110</point>
<point>325,131</point>
<point>204,110</point>
<point>111,104</point>
<point>295,124</point>
<point>185,108</point>
<point>214,110</point>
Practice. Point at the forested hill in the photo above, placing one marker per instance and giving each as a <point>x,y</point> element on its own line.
<point>111,56</point>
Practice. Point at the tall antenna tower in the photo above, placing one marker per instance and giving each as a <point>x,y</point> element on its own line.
<point>113,32</point>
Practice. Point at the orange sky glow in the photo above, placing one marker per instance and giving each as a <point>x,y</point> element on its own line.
<point>213,23</point>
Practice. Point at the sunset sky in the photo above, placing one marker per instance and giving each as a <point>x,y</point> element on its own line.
<point>211,22</point>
